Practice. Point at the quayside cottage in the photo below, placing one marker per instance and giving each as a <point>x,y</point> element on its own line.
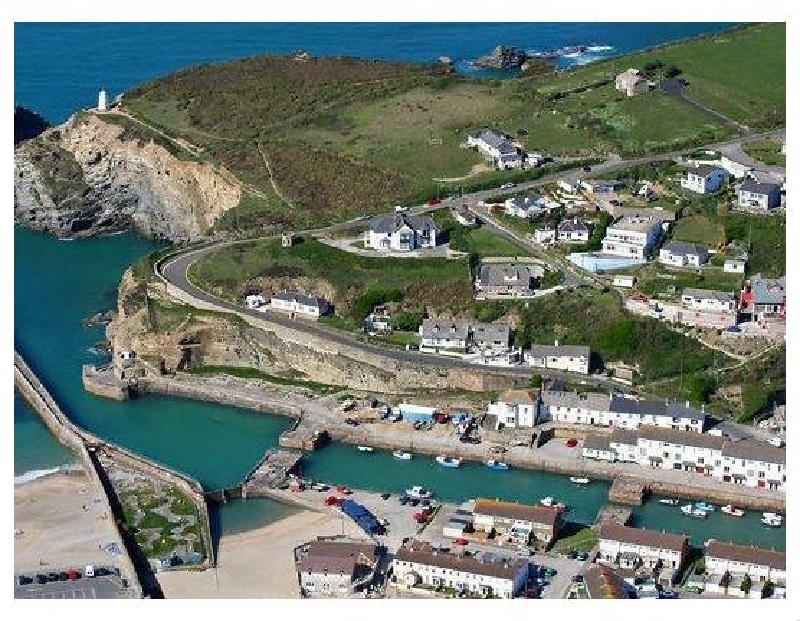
<point>418,563</point>
<point>574,358</point>
<point>515,408</point>
<point>521,524</point>
<point>761,565</point>
<point>330,568</point>
<point>633,548</point>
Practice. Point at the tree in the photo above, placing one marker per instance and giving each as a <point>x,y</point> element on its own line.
<point>407,321</point>
<point>747,584</point>
<point>536,381</point>
<point>672,71</point>
<point>699,387</point>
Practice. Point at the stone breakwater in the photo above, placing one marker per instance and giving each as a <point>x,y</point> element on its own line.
<point>87,445</point>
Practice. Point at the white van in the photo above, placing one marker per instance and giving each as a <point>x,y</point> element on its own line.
<point>89,573</point>
<point>776,441</point>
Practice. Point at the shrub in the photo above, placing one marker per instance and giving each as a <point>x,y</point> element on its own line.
<point>363,304</point>
<point>407,321</point>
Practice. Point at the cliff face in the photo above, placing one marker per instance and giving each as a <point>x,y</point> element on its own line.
<point>91,176</point>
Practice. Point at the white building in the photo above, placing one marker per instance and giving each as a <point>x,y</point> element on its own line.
<point>759,196</point>
<point>464,217</point>
<point>589,408</point>
<point>707,300</point>
<point>515,408</point>
<point>293,302</point>
<point>574,358</point>
<point>638,547</point>
<point>255,302</point>
<point>704,179</point>
<point>545,235</point>
<point>734,266</point>
<point>572,231</point>
<point>683,254</point>
<point>521,523</point>
<point>570,185</point>
<point>448,335</point>
<point>598,447</point>
<point>400,231</point>
<point>497,147</point>
<point>418,563</point>
<point>102,103</point>
<point>513,280</point>
<point>760,564</point>
<point>335,568</point>
<point>624,281</point>
<point>525,205</point>
<point>490,337</point>
<point>632,236</point>
<point>631,82</point>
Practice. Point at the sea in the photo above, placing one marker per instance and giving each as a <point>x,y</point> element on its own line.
<point>57,284</point>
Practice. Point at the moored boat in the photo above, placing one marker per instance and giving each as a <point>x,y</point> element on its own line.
<point>580,480</point>
<point>549,501</point>
<point>365,449</point>
<point>401,454</point>
<point>775,521</point>
<point>669,501</point>
<point>448,462</point>
<point>419,492</point>
<point>731,510</point>
<point>693,511</point>
<point>703,505</point>
<point>496,465</point>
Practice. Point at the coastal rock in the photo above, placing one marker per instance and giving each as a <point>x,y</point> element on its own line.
<point>503,57</point>
<point>89,177</point>
<point>27,124</point>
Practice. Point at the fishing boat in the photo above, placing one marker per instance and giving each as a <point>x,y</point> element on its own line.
<point>548,501</point>
<point>773,520</point>
<point>365,449</point>
<point>401,454</point>
<point>496,465</point>
<point>448,462</point>
<point>731,510</point>
<point>419,492</point>
<point>692,511</point>
<point>703,505</point>
<point>320,487</point>
<point>669,501</point>
<point>580,480</point>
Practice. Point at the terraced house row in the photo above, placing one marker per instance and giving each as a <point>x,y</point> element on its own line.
<point>744,462</point>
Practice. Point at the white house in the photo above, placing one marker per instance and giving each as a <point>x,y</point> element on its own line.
<point>588,408</point>
<point>448,335</point>
<point>400,231</point>
<point>632,236</point>
<point>497,147</point>
<point>571,231</point>
<point>293,302</point>
<point>464,217</point>
<point>760,564</point>
<point>753,464</point>
<point>418,563</point>
<point>255,302</point>
<point>707,300</point>
<point>570,185</point>
<point>597,446</point>
<point>545,235</point>
<point>513,280</point>
<point>597,187</point>
<point>494,337</point>
<point>525,206</point>
<point>331,568</point>
<point>574,358</point>
<point>760,196</point>
<point>764,299</point>
<point>520,523</point>
<point>704,179</point>
<point>624,281</point>
<point>683,254</point>
<point>631,82</point>
<point>734,266</point>
<point>515,408</point>
<point>639,547</point>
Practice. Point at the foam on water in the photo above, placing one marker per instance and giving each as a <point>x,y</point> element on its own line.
<point>32,475</point>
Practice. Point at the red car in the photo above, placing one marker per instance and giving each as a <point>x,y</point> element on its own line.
<point>330,501</point>
<point>73,574</point>
<point>571,443</point>
<point>343,489</point>
<point>432,200</point>
<point>460,542</point>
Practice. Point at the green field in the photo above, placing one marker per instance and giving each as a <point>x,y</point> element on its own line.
<point>480,241</point>
<point>767,151</point>
<point>655,279</point>
<point>699,229</point>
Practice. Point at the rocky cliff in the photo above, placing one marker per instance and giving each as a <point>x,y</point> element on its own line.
<point>99,174</point>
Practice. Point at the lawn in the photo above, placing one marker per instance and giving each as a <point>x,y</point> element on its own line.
<point>583,541</point>
<point>767,151</point>
<point>480,241</point>
<point>699,229</point>
<point>654,279</point>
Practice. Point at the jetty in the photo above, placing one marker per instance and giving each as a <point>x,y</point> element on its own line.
<point>611,513</point>
<point>627,491</point>
<point>272,471</point>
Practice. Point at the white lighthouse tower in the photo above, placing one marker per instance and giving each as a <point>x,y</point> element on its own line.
<point>101,101</point>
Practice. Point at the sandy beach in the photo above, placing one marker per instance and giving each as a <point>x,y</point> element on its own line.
<point>58,522</point>
<point>257,563</point>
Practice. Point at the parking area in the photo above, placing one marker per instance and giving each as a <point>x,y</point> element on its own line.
<point>97,587</point>
<point>561,582</point>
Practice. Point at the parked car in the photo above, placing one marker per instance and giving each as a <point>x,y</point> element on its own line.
<point>41,579</point>
<point>508,186</point>
<point>385,495</point>
<point>403,499</point>
<point>668,595</point>
<point>583,556</point>
<point>694,589</point>
<point>733,329</point>
<point>571,443</point>
<point>460,541</point>
<point>22,579</point>
<point>63,576</point>
<point>351,421</point>
<point>432,200</point>
<point>412,347</point>
<point>413,501</point>
<point>587,168</point>
<point>73,574</point>
<point>573,554</point>
<point>53,577</point>
<point>577,578</point>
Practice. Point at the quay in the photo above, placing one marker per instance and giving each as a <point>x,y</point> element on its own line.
<point>272,471</point>
<point>611,513</point>
<point>627,491</point>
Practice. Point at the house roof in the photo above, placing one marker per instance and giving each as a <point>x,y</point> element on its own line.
<point>517,396</point>
<point>630,77</point>
<point>444,329</point>
<point>755,451</point>
<point>685,438</point>
<point>573,225</point>
<point>493,274</point>
<point>491,332</point>
<point>653,407</point>
<point>335,557</point>
<point>638,223</point>
<point>708,294</point>
<point>735,261</point>
<point>526,201</point>
<point>574,351</point>
<point>760,188</point>
<point>538,514</point>
<point>684,248</point>
<point>597,442</point>
<point>642,536</point>
<point>624,436</point>
<point>423,553</point>
<point>305,300</point>
<point>588,400</point>
<point>768,290</point>
<point>704,170</point>
<point>495,139</point>
<point>746,554</point>
<point>390,223</point>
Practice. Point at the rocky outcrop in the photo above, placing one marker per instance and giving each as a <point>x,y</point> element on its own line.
<point>92,176</point>
<point>502,57</point>
<point>27,124</point>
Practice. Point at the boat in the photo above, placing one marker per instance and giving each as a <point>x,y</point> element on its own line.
<point>448,462</point>
<point>320,487</point>
<point>496,465</point>
<point>365,449</point>
<point>731,510</point>
<point>419,492</point>
<point>401,454</point>
<point>669,501</point>
<point>580,480</point>
<point>548,501</point>
<point>770,514</point>
<point>704,506</point>
<point>776,521</point>
<point>693,511</point>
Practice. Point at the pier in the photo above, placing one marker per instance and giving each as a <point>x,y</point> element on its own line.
<point>272,471</point>
<point>627,491</point>
<point>610,513</point>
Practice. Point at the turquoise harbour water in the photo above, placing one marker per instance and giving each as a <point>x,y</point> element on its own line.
<point>59,283</point>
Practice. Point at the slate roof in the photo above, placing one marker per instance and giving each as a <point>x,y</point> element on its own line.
<point>495,274</point>
<point>573,226</point>
<point>300,298</point>
<point>768,290</point>
<point>490,332</point>
<point>624,436</point>
<point>526,201</point>
<point>746,554</point>
<point>423,553</point>
<point>390,223</point>
<point>684,248</point>
<point>703,170</point>
<point>588,400</point>
<point>653,407</point>
<point>684,438</point>
<point>444,329</point>
<point>760,188</point>
<point>538,514</point>
<point>575,351</point>
<point>642,536</point>
<point>708,294</point>
<point>336,557</point>
<point>747,449</point>
<point>496,140</point>
<point>597,442</point>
